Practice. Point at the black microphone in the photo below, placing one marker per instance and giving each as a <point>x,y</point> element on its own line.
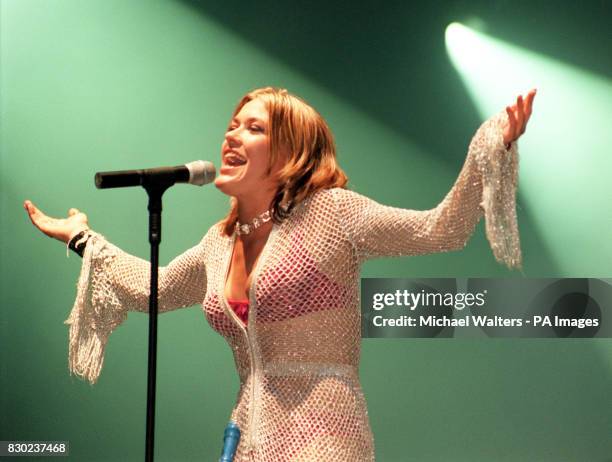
<point>198,172</point>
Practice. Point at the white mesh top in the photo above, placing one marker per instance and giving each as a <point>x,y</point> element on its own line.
<point>300,397</point>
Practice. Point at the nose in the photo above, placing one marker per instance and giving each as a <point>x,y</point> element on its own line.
<point>231,136</point>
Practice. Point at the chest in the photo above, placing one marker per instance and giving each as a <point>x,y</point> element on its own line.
<point>287,278</point>
<point>242,261</point>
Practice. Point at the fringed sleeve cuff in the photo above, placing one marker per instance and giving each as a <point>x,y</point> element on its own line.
<point>93,317</point>
<point>499,169</point>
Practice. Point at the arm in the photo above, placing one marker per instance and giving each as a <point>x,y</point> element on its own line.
<point>486,185</point>
<point>111,283</point>
<point>123,280</point>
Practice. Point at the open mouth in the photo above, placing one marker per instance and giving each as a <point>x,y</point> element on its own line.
<point>233,160</point>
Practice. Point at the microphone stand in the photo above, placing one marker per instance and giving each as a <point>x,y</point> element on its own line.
<point>155,190</point>
<point>155,181</point>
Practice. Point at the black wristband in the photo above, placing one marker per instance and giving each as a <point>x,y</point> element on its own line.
<point>80,248</point>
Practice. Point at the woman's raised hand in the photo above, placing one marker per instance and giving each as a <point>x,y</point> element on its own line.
<point>62,229</point>
<point>518,116</point>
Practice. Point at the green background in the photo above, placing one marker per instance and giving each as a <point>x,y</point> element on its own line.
<point>89,86</point>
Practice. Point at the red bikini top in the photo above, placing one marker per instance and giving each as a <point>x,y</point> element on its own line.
<point>241,308</point>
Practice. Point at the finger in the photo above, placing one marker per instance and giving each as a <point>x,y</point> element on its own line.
<point>73,211</point>
<point>30,209</point>
<point>520,117</point>
<point>511,125</point>
<point>37,218</point>
<point>529,104</point>
<point>33,212</point>
<point>26,205</point>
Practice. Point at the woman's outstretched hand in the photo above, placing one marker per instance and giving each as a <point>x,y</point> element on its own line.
<point>62,229</point>
<point>518,116</point>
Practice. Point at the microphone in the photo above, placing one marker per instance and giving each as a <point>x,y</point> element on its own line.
<point>231,437</point>
<point>198,172</point>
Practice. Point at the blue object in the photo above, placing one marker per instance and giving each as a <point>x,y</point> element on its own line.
<point>231,436</point>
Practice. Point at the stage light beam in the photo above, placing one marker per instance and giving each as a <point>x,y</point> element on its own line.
<point>565,168</point>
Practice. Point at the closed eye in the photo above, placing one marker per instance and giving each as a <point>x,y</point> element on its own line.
<point>254,128</point>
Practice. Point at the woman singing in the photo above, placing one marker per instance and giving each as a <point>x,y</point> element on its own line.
<point>278,277</point>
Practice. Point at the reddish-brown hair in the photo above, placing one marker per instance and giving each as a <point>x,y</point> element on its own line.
<point>298,131</point>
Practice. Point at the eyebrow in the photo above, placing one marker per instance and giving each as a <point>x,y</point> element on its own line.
<point>250,119</point>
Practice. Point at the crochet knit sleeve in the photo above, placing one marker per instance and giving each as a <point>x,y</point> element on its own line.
<point>113,282</point>
<point>486,185</point>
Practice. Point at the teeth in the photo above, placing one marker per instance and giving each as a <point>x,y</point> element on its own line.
<point>234,160</point>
